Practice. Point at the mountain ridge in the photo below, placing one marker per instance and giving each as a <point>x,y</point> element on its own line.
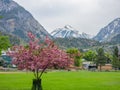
<point>109,31</point>
<point>18,21</point>
<point>69,32</point>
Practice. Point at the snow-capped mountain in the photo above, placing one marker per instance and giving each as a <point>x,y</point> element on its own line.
<point>65,32</point>
<point>68,32</point>
<point>109,32</point>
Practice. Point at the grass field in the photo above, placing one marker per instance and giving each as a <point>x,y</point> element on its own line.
<point>62,80</point>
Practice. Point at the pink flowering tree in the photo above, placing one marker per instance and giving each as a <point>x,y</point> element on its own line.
<point>38,57</point>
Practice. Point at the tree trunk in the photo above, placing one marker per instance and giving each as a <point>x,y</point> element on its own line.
<point>37,84</point>
<point>100,67</point>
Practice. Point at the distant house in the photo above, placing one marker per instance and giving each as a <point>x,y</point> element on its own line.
<point>3,53</point>
<point>89,66</point>
<point>85,65</point>
<point>7,59</point>
<point>106,67</point>
<point>92,67</point>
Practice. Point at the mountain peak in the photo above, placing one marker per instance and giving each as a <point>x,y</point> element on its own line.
<point>109,31</point>
<point>68,32</point>
<point>117,19</point>
<point>68,27</point>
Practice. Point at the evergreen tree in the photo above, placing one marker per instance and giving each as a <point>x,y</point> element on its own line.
<point>116,60</point>
<point>108,57</point>
<point>100,59</point>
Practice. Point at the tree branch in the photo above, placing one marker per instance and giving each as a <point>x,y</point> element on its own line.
<point>44,69</point>
<point>34,74</point>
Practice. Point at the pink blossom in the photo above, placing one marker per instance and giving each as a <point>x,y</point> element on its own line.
<point>38,57</point>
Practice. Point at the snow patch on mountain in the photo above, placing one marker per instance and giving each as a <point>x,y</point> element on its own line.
<point>109,31</point>
<point>68,32</point>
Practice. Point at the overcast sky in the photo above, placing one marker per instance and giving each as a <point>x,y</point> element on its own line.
<point>87,16</point>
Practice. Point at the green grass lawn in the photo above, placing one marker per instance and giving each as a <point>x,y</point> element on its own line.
<point>63,80</point>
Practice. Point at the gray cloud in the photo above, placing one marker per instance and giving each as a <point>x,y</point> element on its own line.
<point>84,15</point>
